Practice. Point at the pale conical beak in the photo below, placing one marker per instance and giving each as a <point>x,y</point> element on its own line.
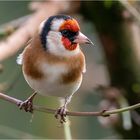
<point>82,39</point>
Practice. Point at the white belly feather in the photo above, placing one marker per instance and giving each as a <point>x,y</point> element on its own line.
<point>51,86</point>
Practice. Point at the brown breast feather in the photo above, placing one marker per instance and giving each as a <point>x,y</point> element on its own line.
<point>76,66</point>
<point>34,54</point>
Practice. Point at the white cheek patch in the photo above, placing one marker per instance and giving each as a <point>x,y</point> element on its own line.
<point>54,43</point>
<point>54,40</point>
<point>56,24</point>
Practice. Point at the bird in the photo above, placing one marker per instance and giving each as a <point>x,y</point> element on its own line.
<point>53,63</point>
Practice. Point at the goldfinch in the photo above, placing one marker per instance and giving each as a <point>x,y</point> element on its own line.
<point>53,63</point>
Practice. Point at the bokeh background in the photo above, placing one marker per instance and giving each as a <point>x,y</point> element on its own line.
<point>112,79</point>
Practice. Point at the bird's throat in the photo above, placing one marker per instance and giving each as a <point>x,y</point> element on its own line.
<point>68,44</point>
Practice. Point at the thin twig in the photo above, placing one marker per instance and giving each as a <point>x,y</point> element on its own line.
<point>70,113</point>
<point>12,25</point>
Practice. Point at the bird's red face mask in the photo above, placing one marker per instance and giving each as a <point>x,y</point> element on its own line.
<point>71,35</point>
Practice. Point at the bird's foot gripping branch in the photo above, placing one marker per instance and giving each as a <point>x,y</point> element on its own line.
<point>103,113</point>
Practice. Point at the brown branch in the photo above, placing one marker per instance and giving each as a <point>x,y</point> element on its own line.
<point>7,29</point>
<point>52,111</point>
<point>19,38</point>
<point>47,110</point>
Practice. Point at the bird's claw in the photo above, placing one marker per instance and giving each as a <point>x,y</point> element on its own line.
<point>27,105</point>
<point>61,112</point>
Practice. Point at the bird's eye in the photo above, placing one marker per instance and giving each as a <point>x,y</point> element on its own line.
<point>69,34</point>
<point>65,32</point>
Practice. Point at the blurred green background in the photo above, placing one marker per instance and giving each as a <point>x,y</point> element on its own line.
<point>105,66</point>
